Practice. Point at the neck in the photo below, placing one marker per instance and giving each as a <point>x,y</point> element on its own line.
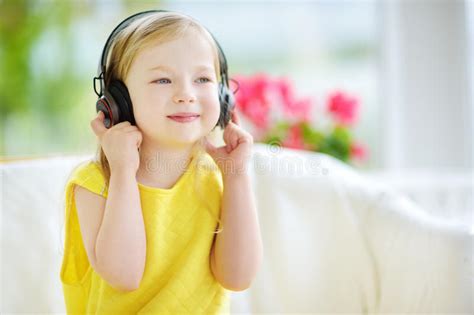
<point>161,165</point>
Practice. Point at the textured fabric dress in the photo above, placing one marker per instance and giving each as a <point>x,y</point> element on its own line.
<point>180,223</point>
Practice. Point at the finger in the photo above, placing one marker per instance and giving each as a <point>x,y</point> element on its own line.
<point>97,124</point>
<point>228,131</point>
<point>139,137</point>
<point>214,151</point>
<point>245,140</point>
<point>235,118</point>
<point>122,124</point>
<point>229,139</point>
<point>210,148</point>
<point>129,128</point>
<point>232,135</point>
<point>235,141</point>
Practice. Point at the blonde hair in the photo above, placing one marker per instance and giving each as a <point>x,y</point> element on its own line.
<point>139,34</point>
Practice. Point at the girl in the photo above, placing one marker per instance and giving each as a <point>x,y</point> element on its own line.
<point>140,218</point>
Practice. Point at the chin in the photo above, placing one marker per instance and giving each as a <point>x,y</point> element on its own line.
<point>183,141</point>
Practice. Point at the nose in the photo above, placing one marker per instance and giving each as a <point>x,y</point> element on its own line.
<point>184,95</point>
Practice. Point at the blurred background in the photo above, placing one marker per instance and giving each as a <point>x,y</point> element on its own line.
<point>408,64</point>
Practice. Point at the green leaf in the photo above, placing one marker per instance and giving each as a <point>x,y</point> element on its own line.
<point>337,144</point>
<point>273,140</point>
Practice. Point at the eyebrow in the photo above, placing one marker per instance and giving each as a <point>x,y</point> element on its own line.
<point>169,70</point>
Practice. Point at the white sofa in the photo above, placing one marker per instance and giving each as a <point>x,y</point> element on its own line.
<point>335,241</point>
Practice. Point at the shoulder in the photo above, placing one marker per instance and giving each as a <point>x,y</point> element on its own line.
<point>89,175</point>
<point>211,173</point>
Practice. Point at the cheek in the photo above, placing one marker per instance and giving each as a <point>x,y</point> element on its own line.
<point>211,106</point>
<point>148,112</point>
<point>148,102</point>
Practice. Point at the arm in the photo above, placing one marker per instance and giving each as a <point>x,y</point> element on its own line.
<point>114,236</point>
<point>238,251</point>
<point>121,242</point>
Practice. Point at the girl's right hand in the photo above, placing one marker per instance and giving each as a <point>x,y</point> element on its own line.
<point>120,143</point>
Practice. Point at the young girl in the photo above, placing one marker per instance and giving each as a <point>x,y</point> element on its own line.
<point>141,218</point>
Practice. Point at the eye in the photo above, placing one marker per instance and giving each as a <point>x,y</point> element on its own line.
<point>207,79</point>
<point>161,80</point>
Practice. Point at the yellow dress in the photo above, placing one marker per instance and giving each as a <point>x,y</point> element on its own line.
<point>179,233</point>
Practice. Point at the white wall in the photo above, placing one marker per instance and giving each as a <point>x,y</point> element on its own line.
<point>425,85</point>
<point>470,34</point>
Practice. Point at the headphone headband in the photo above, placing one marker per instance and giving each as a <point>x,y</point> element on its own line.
<point>101,69</point>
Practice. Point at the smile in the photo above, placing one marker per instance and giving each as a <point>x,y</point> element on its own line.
<point>182,119</point>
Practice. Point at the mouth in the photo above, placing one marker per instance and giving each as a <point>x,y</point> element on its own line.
<point>184,118</point>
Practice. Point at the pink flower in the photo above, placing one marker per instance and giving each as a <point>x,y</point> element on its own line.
<point>358,151</point>
<point>264,100</point>
<point>259,94</point>
<point>285,88</point>
<point>292,107</point>
<point>343,108</point>
<point>300,109</point>
<point>252,98</point>
<point>294,139</point>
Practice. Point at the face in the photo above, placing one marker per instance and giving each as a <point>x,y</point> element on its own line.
<point>174,77</point>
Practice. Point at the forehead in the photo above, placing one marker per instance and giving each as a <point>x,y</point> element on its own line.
<point>190,48</point>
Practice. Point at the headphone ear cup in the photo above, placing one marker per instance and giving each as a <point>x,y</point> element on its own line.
<point>107,105</point>
<point>116,104</point>
<point>119,94</point>
<point>110,105</point>
<point>227,102</point>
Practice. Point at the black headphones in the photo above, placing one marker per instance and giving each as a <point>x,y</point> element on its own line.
<point>114,100</point>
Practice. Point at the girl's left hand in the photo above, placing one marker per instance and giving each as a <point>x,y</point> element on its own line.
<point>232,158</point>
